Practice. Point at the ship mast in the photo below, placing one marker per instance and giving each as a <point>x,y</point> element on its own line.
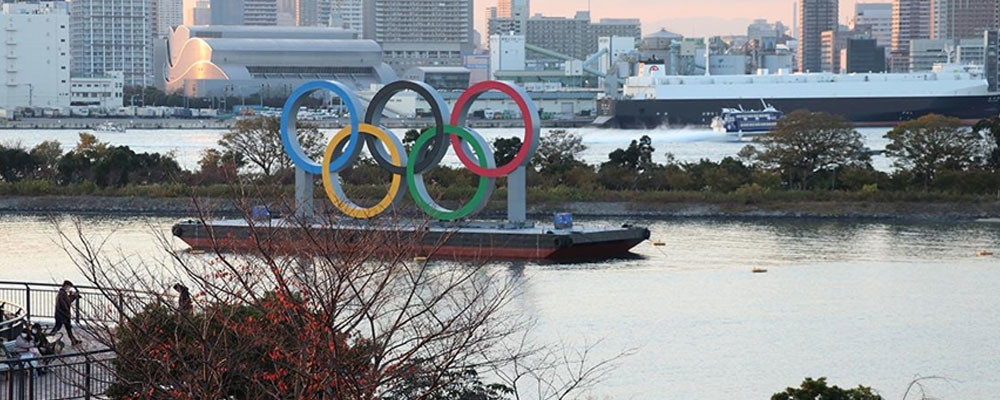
<point>708,56</point>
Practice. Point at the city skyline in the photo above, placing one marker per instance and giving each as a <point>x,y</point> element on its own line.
<point>708,17</point>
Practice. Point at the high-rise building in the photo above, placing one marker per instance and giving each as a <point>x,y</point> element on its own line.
<point>911,20</point>
<point>939,19</point>
<point>167,14</point>
<point>112,35</point>
<point>817,16</point>
<point>312,13</point>
<point>201,14</point>
<point>875,18</point>
<point>964,19</point>
<point>347,14</point>
<point>245,12</point>
<point>36,46</point>
<point>420,32</point>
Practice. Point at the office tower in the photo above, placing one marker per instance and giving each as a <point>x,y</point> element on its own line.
<point>964,19</point>
<point>875,18</point>
<point>817,16</point>
<point>112,35</point>
<point>347,14</point>
<point>166,15</point>
<point>312,13</point>
<point>245,12</point>
<point>862,56</point>
<point>911,20</point>
<point>201,14</point>
<point>420,32</point>
<point>35,39</point>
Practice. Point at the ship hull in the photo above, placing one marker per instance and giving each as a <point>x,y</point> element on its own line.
<point>436,242</point>
<point>872,111</point>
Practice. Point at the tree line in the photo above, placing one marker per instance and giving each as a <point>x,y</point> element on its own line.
<point>805,152</point>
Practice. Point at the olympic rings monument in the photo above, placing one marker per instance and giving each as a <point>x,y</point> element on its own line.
<point>450,233</point>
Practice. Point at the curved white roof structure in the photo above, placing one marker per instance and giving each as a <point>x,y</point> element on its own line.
<point>210,61</point>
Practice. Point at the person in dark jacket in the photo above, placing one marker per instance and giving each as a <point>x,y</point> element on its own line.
<point>184,299</point>
<point>64,303</point>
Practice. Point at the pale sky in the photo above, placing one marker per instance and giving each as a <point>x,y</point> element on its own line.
<point>687,17</point>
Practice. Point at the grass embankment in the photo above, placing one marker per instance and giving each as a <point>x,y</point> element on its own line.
<point>592,201</point>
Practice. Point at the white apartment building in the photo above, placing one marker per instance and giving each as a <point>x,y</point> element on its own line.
<point>416,33</point>
<point>113,35</point>
<point>36,55</point>
<point>103,92</point>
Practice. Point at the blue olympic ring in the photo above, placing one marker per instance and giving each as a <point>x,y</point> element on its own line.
<point>289,136</point>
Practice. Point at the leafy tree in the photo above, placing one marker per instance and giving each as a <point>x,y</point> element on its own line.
<point>505,149</point>
<point>558,152</point>
<point>990,129</point>
<point>47,155</point>
<point>806,143</point>
<point>638,157</point>
<point>931,144</point>
<point>258,141</point>
<point>106,165</point>
<point>16,164</point>
<point>218,167</point>
<point>630,168</point>
<point>819,390</point>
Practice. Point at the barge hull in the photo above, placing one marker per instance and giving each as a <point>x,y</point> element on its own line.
<point>446,242</point>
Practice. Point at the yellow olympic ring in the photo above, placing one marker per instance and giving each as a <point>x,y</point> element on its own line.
<point>345,205</point>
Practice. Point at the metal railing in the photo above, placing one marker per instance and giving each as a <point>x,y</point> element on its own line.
<point>59,377</point>
<point>38,301</point>
<point>64,376</point>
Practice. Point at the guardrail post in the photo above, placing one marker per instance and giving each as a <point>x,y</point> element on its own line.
<point>77,307</point>
<point>31,380</point>
<point>27,301</point>
<point>22,380</point>
<point>10,381</point>
<point>86,376</point>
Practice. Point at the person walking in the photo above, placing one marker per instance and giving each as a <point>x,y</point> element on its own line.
<point>64,303</point>
<point>184,298</point>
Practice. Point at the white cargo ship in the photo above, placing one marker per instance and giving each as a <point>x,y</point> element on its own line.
<point>652,99</point>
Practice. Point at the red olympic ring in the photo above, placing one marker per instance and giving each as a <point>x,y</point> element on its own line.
<point>459,115</point>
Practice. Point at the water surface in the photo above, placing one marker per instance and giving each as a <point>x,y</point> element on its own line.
<point>871,303</point>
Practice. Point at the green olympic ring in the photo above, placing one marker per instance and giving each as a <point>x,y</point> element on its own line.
<point>418,190</point>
